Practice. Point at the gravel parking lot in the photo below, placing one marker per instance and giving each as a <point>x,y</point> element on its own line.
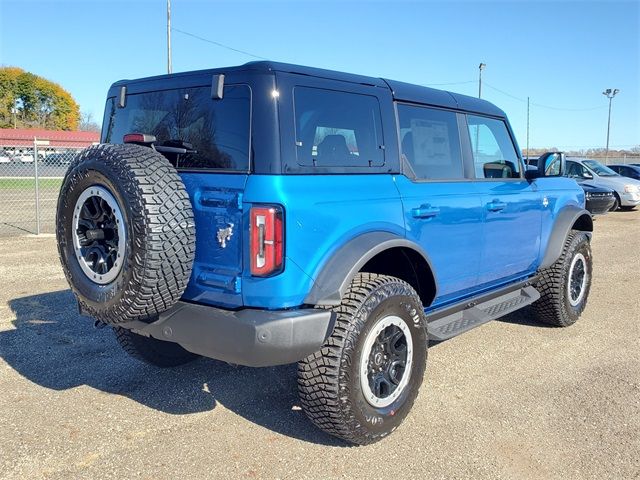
<point>511,399</point>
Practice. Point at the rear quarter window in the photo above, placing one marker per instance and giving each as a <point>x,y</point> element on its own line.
<point>215,133</point>
<point>337,129</point>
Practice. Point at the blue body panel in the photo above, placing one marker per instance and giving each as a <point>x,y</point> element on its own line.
<point>452,237</point>
<point>511,245</point>
<point>217,203</point>
<point>471,249</point>
<point>322,213</point>
<point>560,193</point>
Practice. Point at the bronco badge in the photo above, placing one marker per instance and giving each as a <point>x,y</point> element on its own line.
<point>224,235</point>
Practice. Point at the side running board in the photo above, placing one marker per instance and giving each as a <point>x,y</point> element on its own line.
<point>452,321</point>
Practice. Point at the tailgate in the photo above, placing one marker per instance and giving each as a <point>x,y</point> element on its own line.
<point>217,208</point>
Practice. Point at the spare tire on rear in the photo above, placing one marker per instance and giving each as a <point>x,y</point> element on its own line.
<point>126,233</point>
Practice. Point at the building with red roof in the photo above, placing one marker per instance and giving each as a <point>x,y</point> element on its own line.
<point>24,137</point>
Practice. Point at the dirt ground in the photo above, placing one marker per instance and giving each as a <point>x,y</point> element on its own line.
<point>511,399</point>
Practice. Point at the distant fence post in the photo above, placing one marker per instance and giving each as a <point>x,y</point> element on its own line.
<point>35,171</point>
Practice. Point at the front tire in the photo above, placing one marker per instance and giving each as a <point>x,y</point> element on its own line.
<point>564,286</point>
<point>364,380</point>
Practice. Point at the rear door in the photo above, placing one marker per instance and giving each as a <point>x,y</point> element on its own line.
<point>208,141</point>
<point>442,208</point>
<point>511,205</point>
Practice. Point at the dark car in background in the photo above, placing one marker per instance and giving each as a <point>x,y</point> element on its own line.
<point>599,200</point>
<point>631,171</point>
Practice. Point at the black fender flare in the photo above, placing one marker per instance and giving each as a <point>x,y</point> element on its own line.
<point>336,274</point>
<point>564,223</point>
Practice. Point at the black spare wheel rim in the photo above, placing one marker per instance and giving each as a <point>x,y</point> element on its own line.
<point>99,234</point>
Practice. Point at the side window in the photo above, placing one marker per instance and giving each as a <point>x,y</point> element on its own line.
<point>430,142</point>
<point>337,129</point>
<point>575,170</point>
<point>494,155</point>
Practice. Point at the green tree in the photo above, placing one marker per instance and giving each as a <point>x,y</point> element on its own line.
<point>30,101</point>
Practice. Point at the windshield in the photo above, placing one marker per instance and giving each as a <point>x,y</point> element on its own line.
<point>599,168</point>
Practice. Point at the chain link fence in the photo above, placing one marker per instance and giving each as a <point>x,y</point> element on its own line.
<point>30,180</point>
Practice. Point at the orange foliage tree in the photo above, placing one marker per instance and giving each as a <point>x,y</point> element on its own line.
<point>30,101</point>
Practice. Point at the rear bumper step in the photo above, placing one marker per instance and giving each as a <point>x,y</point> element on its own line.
<point>256,338</point>
<point>445,325</point>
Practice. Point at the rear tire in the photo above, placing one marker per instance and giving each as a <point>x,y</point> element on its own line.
<point>362,383</point>
<point>564,286</point>
<point>125,231</point>
<point>152,351</point>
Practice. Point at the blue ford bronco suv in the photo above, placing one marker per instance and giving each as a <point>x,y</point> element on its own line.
<point>269,213</point>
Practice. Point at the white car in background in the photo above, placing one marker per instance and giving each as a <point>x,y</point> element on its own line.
<point>626,190</point>
<point>24,157</point>
<point>5,157</point>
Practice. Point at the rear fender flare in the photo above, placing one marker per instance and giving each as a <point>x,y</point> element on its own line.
<point>338,272</point>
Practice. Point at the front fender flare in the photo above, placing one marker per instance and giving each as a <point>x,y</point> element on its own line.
<point>336,275</point>
<point>563,224</point>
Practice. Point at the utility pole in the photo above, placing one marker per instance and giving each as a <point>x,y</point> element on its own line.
<point>169,67</point>
<point>609,93</point>
<point>480,68</point>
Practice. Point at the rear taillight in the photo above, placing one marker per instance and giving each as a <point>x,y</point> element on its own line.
<point>267,240</point>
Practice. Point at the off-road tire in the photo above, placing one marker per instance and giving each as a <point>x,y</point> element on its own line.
<point>554,307</point>
<point>159,225</point>
<point>152,351</point>
<point>329,385</point>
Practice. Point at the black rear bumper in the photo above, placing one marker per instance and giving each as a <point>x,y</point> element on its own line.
<point>255,338</point>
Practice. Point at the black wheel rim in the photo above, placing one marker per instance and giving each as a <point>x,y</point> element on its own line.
<point>98,234</point>
<point>577,279</point>
<point>386,361</point>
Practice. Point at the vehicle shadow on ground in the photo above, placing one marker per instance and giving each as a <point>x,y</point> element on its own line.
<point>56,348</point>
<point>525,317</point>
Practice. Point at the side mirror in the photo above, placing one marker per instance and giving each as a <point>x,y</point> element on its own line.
<point>587,175</point>
<point>551,164</point>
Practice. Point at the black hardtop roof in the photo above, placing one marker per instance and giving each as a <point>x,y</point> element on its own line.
<point>401,91</point>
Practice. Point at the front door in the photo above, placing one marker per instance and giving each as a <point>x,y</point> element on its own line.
<point>512,206</point>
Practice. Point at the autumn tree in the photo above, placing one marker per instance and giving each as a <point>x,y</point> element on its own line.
<point>30,101</point>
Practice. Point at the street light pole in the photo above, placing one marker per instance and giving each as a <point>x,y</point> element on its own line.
<point>480,68</point>
<point>169,67</point>
<point>609,93</point>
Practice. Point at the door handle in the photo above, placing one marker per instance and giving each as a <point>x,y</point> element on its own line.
<point>425,211</point>
<point>496,206</point>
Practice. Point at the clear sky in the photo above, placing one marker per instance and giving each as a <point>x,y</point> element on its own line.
<point>560,54</point>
